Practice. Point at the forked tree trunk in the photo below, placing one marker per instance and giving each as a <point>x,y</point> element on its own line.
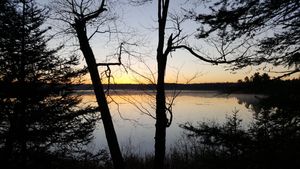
<point>110,133</point>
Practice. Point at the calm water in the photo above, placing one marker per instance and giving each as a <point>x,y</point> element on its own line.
<point>135,127</point>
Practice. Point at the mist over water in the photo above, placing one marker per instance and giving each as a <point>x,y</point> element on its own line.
<point>135,127</point>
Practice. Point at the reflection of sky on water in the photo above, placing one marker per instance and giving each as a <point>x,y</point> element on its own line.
<point>135,130</point>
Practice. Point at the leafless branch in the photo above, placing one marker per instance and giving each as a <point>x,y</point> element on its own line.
<point>116,63</point>
<point>213,61</point>
<point>288,74</point>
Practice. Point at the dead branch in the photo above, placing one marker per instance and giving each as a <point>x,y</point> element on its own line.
<point>116,63</point>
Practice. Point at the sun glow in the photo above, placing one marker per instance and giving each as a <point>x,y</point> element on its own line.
<point>188,75</point>
<point>120,79</point>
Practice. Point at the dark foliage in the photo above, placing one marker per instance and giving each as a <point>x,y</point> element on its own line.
<point>263,84</point>
<point>271,141</point>
<point>39,112</point>
<point>272,26</point>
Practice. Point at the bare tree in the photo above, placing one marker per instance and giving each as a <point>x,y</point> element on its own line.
<point>165,47</point>
<point>161,56</point>
<point>79,14</point>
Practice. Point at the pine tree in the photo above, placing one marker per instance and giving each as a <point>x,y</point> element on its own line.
<point>38,110</point>
<point>270,27</point>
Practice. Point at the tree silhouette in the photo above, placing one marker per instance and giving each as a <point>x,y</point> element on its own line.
<point>161,116</point>
<point>79,14</point>
<point>263,31</point>
<point>165,48</point>
<point>239,54</point>
<point>39,114</point>
<point>168,43</point>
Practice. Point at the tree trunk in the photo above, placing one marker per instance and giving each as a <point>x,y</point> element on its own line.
<point>161,117</point>
<point>161,123</point>
<point>110,133</point>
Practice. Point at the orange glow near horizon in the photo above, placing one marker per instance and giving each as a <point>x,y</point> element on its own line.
<point>127,79</point>
<point>210,77</point>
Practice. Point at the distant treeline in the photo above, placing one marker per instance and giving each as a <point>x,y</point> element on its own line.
<point>262,83</point>
<point>248,87</point>
<point>255,84</point>
<point>168,86</point>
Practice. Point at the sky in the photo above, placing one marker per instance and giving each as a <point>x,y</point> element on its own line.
<point>138,23</point>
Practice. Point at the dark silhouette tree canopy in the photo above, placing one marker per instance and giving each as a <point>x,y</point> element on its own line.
<point>272,26</point>
<point>37,109</point>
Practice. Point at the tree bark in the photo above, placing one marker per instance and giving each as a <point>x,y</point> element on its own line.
<point>110,133</point>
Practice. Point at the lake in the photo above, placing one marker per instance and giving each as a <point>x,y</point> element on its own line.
<point>132,111</point>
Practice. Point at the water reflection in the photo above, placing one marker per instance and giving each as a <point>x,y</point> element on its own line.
<point>136,129</point>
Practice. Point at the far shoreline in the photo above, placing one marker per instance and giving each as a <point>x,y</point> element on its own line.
<point>271,87</point>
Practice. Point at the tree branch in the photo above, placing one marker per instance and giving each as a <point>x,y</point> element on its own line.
<point>116,63</point>
<point>96,13</point>
<point>213,61</point>
<point>287,74</point>
<point>109,64</point>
